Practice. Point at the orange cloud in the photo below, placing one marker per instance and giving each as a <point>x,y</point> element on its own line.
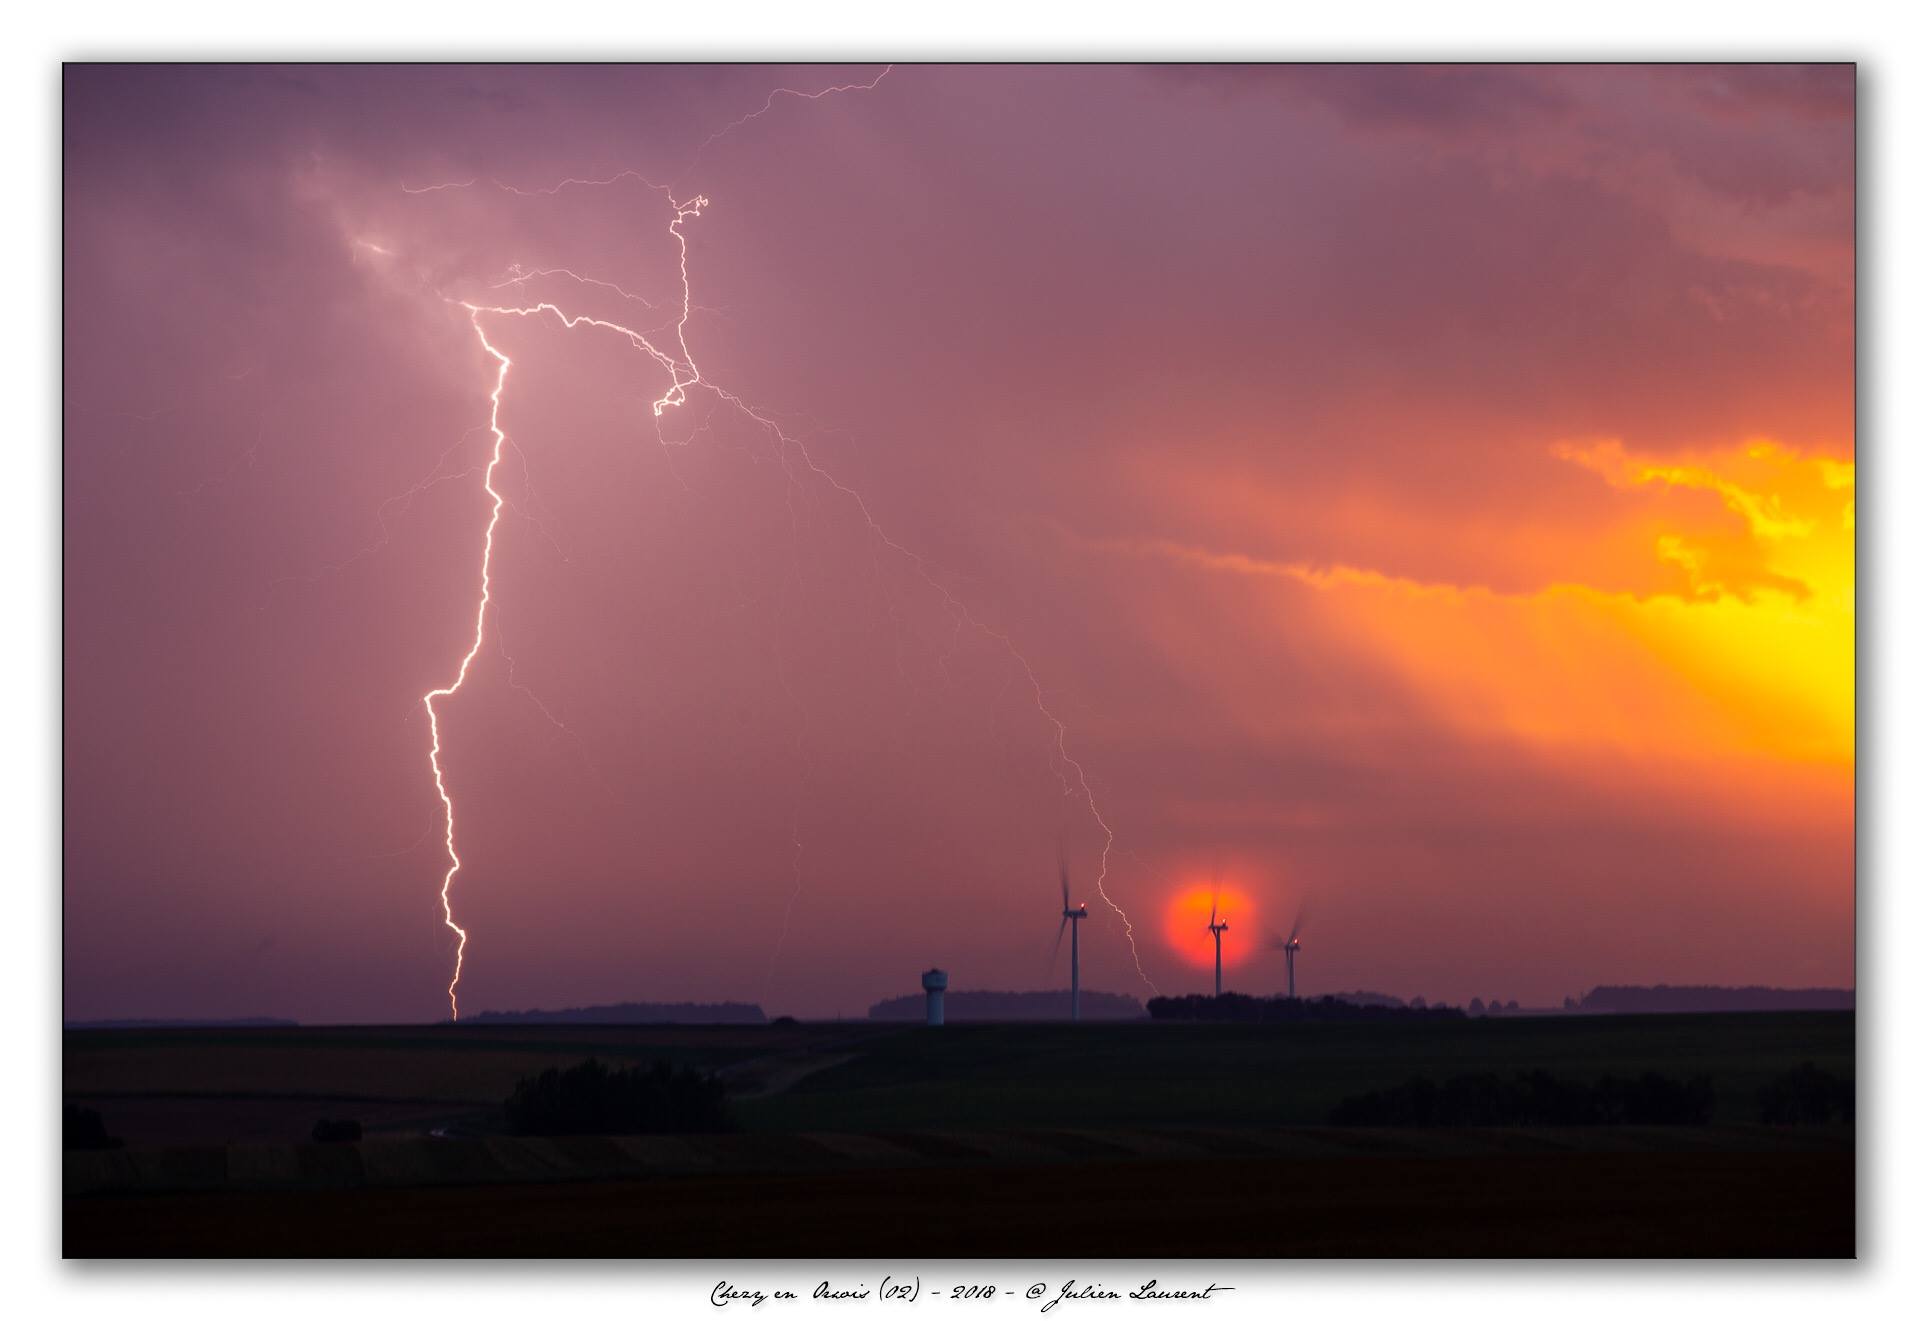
<point>1797,512</point>
<point>1753,660</point>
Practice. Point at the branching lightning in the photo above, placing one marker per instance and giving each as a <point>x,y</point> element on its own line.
<point>778,92</point>
<point>683,373</point>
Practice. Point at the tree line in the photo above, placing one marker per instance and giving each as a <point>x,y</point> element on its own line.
<point>1232,1007</point>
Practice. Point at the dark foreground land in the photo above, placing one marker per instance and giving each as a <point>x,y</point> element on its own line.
<point>1152,1140</point>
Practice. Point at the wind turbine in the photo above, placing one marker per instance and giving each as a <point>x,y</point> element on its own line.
<point>1069,916</point>
<point>1291,946</point>
<point>1218,928</point>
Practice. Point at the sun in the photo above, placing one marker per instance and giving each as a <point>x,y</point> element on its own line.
<point>1190,909</point>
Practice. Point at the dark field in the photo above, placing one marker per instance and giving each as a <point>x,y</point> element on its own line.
<point>1152,1139</point>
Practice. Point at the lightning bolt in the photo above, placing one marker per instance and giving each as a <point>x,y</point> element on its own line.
<point>683,375</point>
<point>466,663</point>
<point>778,92</point>
<point>623,176</point>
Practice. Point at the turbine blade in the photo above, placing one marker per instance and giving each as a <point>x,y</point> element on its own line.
<point>1058,936</point>
<point>1065,890</point>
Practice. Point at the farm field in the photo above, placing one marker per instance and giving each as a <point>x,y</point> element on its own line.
<point>1018,1121</point>
<point>1558,1205</point>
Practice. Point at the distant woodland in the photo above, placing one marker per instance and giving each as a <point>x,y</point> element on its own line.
<point>631,1012</point>
<point>1011,1006</point>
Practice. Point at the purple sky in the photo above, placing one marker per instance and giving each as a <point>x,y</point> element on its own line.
<point>1421,493</point>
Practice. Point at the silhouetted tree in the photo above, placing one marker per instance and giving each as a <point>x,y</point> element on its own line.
<point>82,1129</point>
<point>1412,1104</point>
<point>1478,1099</point>
<point>1653,1098</point>
<point>1233,1007</point>
<point>591,1098</point>
<point>1477,1007</point>
<point>1806,1094</point>
<point>1546,1099</point>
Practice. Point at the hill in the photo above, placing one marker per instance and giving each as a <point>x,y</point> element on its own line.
<point>1011,1007</point>
<point>141,1024</point>
<point>1663,999</point>
<point>626,1012</point>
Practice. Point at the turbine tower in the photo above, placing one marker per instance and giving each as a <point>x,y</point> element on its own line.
<point>1218,928</point>
<point>1069,915</point>
<point>1289,945</point>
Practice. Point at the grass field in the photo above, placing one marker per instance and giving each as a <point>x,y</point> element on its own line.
<point>1045,1126</point>
<point>984,1076</point>
<point>860,1077</point>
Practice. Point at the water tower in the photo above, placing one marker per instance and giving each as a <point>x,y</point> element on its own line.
<point>935,984</point>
